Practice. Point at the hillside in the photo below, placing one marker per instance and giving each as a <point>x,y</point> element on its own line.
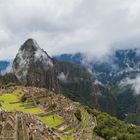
<point>48,112</point>
<point>32,113</point>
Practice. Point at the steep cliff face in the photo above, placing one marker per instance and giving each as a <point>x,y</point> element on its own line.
<point>33,66</point>
<point>78,83</point>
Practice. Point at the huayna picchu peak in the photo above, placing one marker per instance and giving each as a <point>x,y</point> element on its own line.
<point>33,66</point>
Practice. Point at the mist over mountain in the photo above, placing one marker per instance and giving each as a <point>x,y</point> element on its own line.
<point>119,62</point>
<point>120,74</point>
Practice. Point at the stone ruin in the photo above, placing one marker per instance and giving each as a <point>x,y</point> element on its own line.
<point>19,126</point>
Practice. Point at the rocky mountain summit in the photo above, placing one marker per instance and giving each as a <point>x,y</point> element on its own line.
<point>33,66</point>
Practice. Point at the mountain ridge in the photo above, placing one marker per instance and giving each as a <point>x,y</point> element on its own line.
<point>121,77</point>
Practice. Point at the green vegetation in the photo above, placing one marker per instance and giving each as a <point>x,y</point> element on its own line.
<point>111,128</point>
<point>11,103</point>
<point>52,106</point>
<point>51,121</point>
<point>78,115</point>
<point>7,98</point>
<point>8,80</point>
<point>82,115</point>
<point>18,93</point>
<point>65,137</point>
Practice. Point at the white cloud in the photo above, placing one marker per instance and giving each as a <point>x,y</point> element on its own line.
<point>94,27</point>
<point>62,77</point>
<point>135,83</point>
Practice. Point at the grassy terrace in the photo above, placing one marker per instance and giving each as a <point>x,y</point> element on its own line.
<point>11,102</point>
<point>84,117</point>
<point>52,121</point>
<point>63,137</point>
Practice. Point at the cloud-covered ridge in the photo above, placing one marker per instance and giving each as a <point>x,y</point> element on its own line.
<point>134,83</point>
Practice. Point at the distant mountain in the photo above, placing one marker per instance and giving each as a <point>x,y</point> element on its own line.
<point>3,66</point>
<point>120,74</point>
<point>120,62</point>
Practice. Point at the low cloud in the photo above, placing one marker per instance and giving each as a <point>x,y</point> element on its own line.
<point>134,83</point>
<point>62,77</point>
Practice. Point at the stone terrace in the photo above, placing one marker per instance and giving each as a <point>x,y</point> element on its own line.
<point>19,126</point>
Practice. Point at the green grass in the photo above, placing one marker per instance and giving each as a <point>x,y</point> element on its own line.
<point>70,130</point>
<point>9,105</point>
<point>84,116</point>
<point>64,137</point>
<point>8,98</point>
<point>18,92</point>
<point>51,121</point>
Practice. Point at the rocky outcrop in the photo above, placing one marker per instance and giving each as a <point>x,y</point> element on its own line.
<point>33,66</point>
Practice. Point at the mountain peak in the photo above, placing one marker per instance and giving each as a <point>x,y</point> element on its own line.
<point>30,45</point>
<point>31,50</point>
<point>29,56</point>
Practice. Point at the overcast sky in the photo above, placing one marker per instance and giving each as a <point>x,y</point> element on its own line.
<point>67,26</point>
